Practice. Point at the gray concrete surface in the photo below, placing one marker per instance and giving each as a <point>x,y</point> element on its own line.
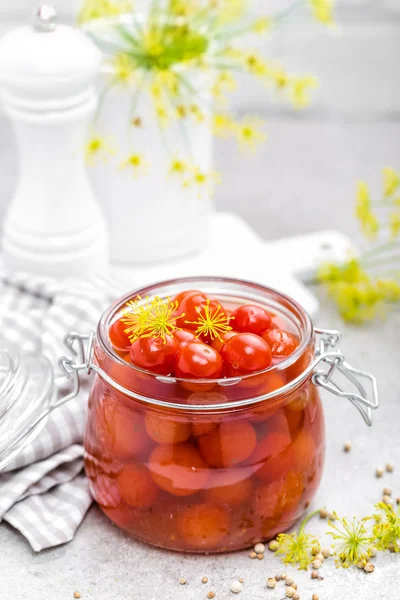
<point>303,180</point>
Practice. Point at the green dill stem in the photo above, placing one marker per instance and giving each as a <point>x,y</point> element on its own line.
<point>307,519</point>
<point>387,260</point>
<point>379,249</point>
<point>282,16</point>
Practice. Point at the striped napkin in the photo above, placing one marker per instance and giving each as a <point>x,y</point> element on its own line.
<point>44,493</point>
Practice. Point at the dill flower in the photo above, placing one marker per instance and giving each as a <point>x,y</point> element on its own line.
<point>224,82</point>
<point>300,88</point>
<point>212,323</point>
<point>150,318</point>
<point>394,224</point>
<point>98,147</point>
<point>262,25</point>
<point>386,530</point>
<point>249,134</point>
<point>322,11</point>
<point>177,166</point>
<point>98,9</point>
<point>123,68</point>
<point>368,222</point>
<point>204,181</point>
<point>136,163</point>
<point>296,548</point>
<point>391,181</point>
<point>352,541</point>
<point>223,125</point>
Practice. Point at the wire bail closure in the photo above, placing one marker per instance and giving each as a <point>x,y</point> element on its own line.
<point>327,355</point>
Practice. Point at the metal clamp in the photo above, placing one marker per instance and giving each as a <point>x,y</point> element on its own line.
<point>365,400</point>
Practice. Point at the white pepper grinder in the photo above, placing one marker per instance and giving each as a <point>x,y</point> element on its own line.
<point>54,225</point>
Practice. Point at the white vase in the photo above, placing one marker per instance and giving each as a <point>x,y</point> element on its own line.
<point>152,217</point>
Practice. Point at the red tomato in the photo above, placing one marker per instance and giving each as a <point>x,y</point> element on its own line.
<point>188,302</point>
<point>231,487</point>
<point>179,298</point>
<point>218,343</point>
<point>155,354</point>
<point>118,337</point>
<point>304,451</point>
<point>122,431</point>
<point>203,525</point>
<point>280,496</point>
<point>273,455</point>
<point>136,486</point>
<point>228,445</point>
<point>199,305</point>
<point>251,319</point>
<point>245,353</point>
<point>198,361</point>
<point>179,469</point>
<point>166,431</point>
<point>282,343</point>
<point>184,336</point>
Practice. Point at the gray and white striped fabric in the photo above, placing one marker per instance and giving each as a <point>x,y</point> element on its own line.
<point>44,493</point>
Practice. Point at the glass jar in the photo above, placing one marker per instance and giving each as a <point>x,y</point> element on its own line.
<point>212,465</point>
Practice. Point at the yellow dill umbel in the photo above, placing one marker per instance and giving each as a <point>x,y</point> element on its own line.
<point>212,322</point>
<point>150,318</point>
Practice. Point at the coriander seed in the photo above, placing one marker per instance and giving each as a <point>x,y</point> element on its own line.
<point>398,500</point>
<point>320,557</point>
<point>289,580</point>
<point>326,552</point>
<point>259,548</point>
<point>236,587</point>
<point>316,564</point>
<point>283,575</point>
<point>241,579</point>
<point>387,491</point>
<point>271,583</point>
<point>379,472</point>
<point>323,513</point>
<point>387,499</point>
<point>290,591</point>
<point>314,575</point>
<point>182,581</point>
<point>315,597</point>
<point>369,567</point>
<point>347,447</point>
<point>204,580</point>
<point>260,556</point>
<point>211,595</point>
<point>373,551</point>
<point>77,594</point>
<point>389,467</point>
<point>253,554</point>
<point>273,546</point>
<point>296,596</point>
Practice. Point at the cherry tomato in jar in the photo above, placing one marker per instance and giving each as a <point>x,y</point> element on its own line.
<point>155,354</point>
<point>218,343</point>
<point>189,303</point>
<point>251,319</point>
<point>203,525</point>
<point>178,469</point>
<point>244,354</point>
<point>181,297</point>
<point>118,337</point>
<point>231,486</point>
<point>304,452</point>
<point>273,456</point>
<point>166,431</point>
<point>121,430</point>
<point>228,445</point>
<point>198,361</point>
<point>184,336</point>
<point>136,486</point>
<point>282,343</point>
<point>279,496</point>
